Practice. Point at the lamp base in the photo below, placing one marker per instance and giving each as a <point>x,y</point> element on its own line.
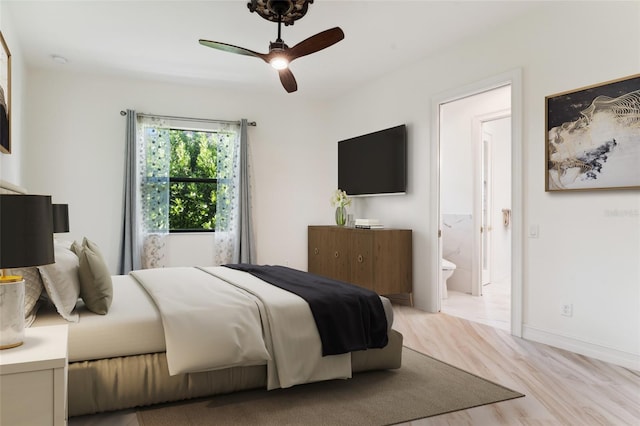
<point>11,314</point>
<point>12,345</point>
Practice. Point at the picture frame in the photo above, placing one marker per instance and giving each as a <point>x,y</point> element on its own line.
<point>5,97</point>
<point>593,137</point>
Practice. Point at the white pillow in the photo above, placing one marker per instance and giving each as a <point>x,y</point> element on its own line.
<point>62,283</point>
<point>57,242</point>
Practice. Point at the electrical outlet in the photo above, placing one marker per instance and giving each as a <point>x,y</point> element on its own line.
<point>566,310</point>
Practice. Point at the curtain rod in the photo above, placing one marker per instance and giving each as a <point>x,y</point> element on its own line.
<point>202,120</point>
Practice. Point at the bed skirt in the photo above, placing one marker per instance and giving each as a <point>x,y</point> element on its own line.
<point>139,380</point>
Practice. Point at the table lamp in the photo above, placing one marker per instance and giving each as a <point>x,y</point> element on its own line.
<point>26,239</point>
<point>60,218</point>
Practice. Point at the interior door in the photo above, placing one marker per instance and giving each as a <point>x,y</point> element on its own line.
<point>486,227</point>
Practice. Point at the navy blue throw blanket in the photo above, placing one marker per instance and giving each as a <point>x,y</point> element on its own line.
<point>349,318</point>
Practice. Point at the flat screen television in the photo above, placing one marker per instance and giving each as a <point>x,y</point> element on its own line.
<point>375,163</point>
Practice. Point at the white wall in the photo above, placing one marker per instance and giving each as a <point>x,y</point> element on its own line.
<point>77,156</point>
<point>573,260</point>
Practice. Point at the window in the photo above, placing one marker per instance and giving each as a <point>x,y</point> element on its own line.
<point>187,175</point>
<point>198,170</point>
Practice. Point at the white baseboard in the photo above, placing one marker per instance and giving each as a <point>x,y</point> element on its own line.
<point>603,353</point>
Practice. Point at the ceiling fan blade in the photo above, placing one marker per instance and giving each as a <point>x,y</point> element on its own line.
<point>232,49</point>
<point>315,43</point>
<point>288,80</point>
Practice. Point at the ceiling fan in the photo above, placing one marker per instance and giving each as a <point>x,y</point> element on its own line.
<point>280,55</point>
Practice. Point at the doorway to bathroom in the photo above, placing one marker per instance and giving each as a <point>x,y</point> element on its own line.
<point>475,206</point>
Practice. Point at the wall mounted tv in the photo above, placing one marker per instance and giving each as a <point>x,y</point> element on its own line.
<point>375,163</point>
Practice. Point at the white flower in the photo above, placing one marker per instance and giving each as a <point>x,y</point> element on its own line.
<point>340,198</point>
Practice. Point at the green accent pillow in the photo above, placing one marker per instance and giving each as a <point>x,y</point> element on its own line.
<point>96,288</point>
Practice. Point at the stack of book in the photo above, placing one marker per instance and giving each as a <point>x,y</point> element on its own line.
<point>368,224</point>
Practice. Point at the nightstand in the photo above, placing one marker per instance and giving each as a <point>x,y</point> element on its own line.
<point>33,379</point>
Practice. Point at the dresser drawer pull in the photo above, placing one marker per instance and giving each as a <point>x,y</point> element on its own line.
<point>316,251</point>
<point>359,258</point>
<point>336,254</point>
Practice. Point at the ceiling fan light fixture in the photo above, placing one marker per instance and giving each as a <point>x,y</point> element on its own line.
<point>279,62</point>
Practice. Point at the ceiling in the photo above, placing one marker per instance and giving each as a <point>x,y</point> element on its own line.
<point>159,39</point>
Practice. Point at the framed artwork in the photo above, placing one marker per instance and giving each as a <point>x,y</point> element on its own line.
<point>5,97</point>
<point>593,137</point>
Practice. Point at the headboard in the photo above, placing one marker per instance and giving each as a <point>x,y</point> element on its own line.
<point>9,188</point>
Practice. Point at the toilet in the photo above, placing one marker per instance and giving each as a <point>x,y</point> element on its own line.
<point>447,270</point>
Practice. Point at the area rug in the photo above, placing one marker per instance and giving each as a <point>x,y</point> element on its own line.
<point>423,387</point>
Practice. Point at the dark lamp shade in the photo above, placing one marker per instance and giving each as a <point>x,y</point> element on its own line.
<point>60,217</point>
<point>26,230</point>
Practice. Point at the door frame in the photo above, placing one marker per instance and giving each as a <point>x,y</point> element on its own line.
<point>514,78</point>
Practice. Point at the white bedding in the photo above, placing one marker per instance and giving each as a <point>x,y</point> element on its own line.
<point>296,344</point>
<point>133,326</point>
<point>208,324</point>
<point>217,318</point>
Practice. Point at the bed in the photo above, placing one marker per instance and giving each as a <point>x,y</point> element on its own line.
<point>134,355</point>
<point>119,360</point>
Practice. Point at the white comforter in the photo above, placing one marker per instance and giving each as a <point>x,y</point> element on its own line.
<point>218,317</point>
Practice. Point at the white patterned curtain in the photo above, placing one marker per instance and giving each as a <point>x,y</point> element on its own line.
<point>154,156</point>
<point>226,236</point>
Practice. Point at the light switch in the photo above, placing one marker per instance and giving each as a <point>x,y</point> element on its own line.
<point>533,231</point>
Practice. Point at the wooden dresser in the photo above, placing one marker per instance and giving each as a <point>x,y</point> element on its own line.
<point>377,259</point>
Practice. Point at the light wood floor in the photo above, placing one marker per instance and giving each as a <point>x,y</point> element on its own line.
<point>561,388</point>
<point>492,308</point>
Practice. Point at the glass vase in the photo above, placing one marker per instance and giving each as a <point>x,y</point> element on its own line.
<point>341,215</point>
